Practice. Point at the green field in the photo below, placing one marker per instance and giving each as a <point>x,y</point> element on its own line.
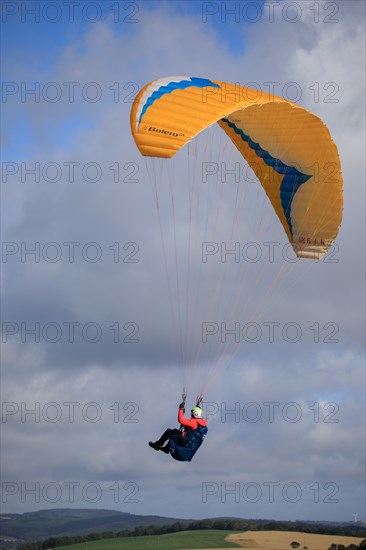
<point>184,540</point>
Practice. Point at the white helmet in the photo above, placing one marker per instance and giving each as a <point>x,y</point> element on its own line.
<point>197,412</point>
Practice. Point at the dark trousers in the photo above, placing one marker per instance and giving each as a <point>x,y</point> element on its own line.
<point>174,433</point>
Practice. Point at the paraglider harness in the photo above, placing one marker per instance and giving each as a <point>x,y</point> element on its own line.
<point>188,444</point>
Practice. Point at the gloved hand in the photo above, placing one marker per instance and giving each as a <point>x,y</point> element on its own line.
<point>182,406</point>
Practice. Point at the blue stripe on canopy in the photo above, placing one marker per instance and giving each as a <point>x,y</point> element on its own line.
<point>292,180</point>
<point>169,88</point>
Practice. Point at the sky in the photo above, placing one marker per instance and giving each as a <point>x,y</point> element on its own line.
<point>92,360</point>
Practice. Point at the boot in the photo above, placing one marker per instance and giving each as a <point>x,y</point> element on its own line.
<point>155,445</point>
<point>165,449</point>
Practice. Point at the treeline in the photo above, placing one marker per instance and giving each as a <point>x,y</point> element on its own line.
<point>220,524</point>
<point>362,545</point>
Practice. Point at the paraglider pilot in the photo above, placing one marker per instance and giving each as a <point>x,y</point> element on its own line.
<point>182,444</point>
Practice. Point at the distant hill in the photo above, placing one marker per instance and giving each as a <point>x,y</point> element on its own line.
<point>55,524</point>
<point>32,526</point>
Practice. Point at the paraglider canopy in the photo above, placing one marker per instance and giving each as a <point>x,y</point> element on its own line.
<point>289,149</point>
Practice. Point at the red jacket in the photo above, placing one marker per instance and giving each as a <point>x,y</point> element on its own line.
<point>190,423</point>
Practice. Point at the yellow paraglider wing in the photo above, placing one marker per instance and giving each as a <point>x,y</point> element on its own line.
<point>290,149</point>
